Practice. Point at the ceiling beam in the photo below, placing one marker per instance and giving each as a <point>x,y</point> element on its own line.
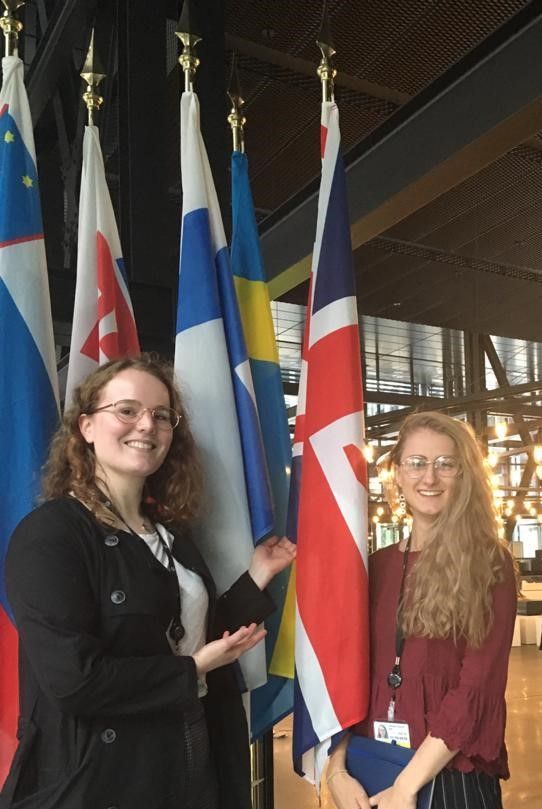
<point>55,50</point>
<point>477,111</point>
<point>487,400</point>
<point>502,378</point>
<point>307,68</point>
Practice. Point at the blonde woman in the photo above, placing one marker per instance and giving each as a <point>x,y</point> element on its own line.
<point>443,607</point>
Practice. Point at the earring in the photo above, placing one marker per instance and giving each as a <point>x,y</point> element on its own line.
<point>402,510</point>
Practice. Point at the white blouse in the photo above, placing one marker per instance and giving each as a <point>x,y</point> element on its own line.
<point>194,601</point>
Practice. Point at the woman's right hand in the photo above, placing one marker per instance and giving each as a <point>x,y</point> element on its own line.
<point>228,648</point>
<point>347,793</point>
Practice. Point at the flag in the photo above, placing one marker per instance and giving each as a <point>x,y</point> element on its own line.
<point>272,701</point>
<point>332,631</point>
<point>213,372</point>
<point>28,383</point>
<point>103,318</point>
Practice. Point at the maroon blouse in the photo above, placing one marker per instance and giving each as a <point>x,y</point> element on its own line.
<point>450,690</point>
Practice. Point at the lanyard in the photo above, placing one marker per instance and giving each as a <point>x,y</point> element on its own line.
<point>395,677</point>
<point>176,630</point>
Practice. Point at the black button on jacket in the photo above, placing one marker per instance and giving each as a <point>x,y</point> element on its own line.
<point>103,698</point>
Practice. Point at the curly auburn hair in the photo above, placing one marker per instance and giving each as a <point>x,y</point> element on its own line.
<point>449,590</point>
<point>171,494</point>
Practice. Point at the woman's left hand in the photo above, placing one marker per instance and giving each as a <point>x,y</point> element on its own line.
<point>393,798</point>
<point>269,558</point>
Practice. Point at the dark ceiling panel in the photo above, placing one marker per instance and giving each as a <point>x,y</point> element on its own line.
<point>423,39</point>
<point>492,183</point>
<point>469,259</point>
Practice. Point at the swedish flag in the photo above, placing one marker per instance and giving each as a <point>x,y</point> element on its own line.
<point>275,699</point>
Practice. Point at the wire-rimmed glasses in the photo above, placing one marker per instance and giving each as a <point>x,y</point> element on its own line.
<point>447,466</point>
<point>130,411</point>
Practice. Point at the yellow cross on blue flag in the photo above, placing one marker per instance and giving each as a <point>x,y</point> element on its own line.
<point>274,700</point>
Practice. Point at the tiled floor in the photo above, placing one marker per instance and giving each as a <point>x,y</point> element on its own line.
<point>523,739</point>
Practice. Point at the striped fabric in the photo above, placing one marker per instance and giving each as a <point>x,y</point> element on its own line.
<point>103,318</point>
<point>28,381</point>
<point>473,790</point>
<point>332,636</point>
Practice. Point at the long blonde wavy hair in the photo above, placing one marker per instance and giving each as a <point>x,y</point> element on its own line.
<point>448,592</point>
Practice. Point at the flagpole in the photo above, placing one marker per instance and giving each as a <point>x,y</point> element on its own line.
<point>92,75</point>
<point>261,750</point>
<point>11,26</point>
<point>187,33</point>
<point>236,119</point>
<point>322,705</point>
<point>103,323</point>
<point>326,71</point>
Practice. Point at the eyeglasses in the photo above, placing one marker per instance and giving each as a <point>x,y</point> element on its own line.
<point>416,465</point>
<point>130,411</point>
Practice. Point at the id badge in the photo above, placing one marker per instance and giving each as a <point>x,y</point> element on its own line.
<point>392,732</point>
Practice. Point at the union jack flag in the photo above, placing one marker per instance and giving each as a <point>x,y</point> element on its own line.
<point>332,632</point>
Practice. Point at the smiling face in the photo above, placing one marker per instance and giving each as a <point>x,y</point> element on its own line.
<point>428,494</point>
<point>128,450</point>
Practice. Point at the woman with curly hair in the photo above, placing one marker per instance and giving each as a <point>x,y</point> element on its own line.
<point>128,696</point>
<point>443,606</point>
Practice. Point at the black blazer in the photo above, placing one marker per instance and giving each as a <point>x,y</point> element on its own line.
<point>101,694</point>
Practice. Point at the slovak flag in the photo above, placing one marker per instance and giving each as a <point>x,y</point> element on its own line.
<point>28,380</point>
<point>103,318</point>
<point>332,619</point>
<point>213,372</point>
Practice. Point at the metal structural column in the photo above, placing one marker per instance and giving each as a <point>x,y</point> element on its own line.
<point>211,85</point>
<point>447,365</point>
<point>262,772</point>
<point>142,138</point>
<point>475,376</point>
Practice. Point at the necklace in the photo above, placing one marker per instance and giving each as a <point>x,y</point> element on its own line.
<point>142,522</point>
<point>176,630</point>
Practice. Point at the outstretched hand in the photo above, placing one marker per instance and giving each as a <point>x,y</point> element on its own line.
<point>228,648</point>
<point>269,558</point>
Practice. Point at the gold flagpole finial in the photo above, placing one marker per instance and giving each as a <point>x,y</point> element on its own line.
<point>187,31</point>
<point>92,74</point>
<point>11,26</point>
<point>236,119</point>
<point>326,71</point>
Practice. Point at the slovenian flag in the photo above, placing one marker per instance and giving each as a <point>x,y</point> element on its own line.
<point>271,702</point>
<point>213,372</point>
<point>103,318</point>
<point>332,621</point>
<point>28,381</point>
